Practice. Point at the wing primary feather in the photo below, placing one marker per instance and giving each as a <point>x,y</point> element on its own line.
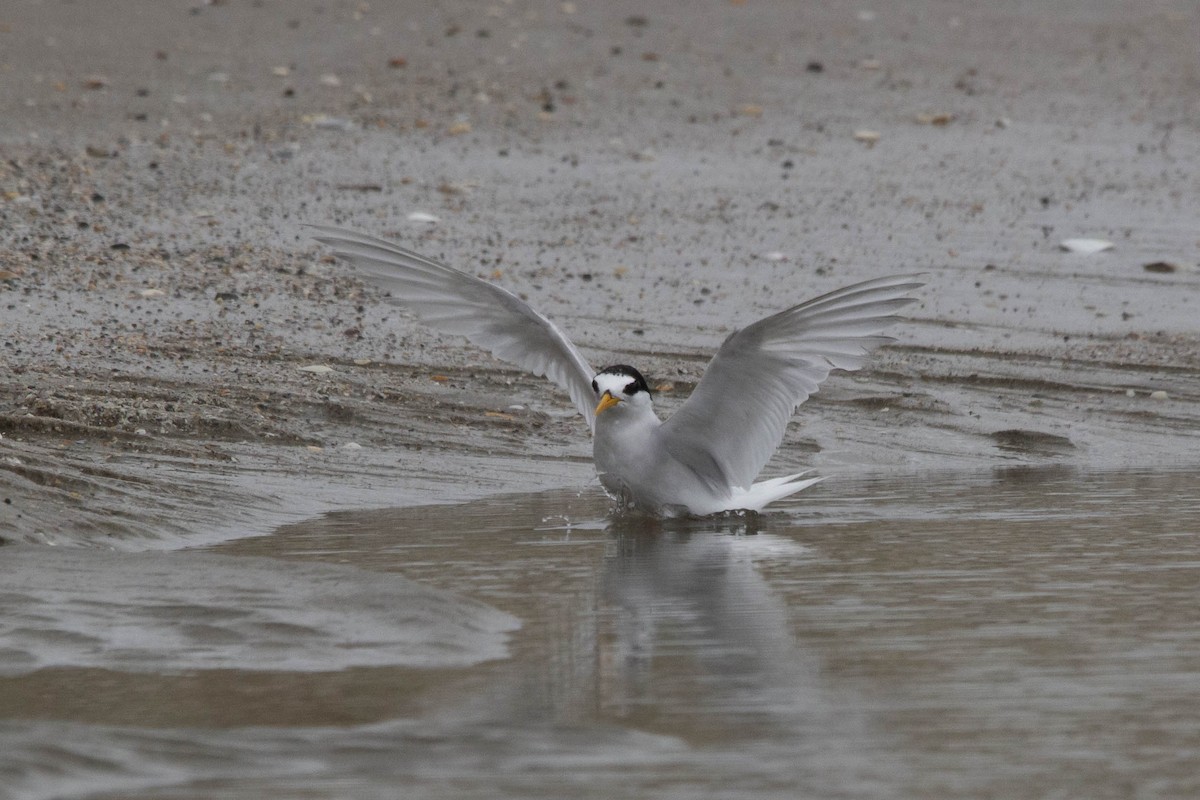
<point>736,417</point>
<point>455,302</point>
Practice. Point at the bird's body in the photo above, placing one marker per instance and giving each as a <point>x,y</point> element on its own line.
<point>636,466</point>
<point>704,458</point>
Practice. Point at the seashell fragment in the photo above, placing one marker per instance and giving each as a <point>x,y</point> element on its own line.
<point>1086,247</point>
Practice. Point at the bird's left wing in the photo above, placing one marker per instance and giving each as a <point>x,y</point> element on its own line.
<point>454,302</point>
<point>735,419</point>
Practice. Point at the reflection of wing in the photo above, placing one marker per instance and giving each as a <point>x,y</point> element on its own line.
<point>455,302</point>
<point>736,417</point>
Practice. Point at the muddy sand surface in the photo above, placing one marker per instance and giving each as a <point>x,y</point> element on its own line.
<point>650,179</point>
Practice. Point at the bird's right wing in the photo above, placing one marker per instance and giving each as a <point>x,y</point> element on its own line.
<point>735,419</point>
<point>455,302</point>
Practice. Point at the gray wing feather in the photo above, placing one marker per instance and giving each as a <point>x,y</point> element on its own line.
<point>454,302</point>
<point>735,419</point>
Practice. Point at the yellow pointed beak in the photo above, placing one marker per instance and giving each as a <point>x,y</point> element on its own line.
<point>606,401</point>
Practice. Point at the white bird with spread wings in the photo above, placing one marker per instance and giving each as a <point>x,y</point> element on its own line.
<point>705,457</point>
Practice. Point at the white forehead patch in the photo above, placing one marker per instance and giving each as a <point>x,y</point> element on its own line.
<point>613,384</point>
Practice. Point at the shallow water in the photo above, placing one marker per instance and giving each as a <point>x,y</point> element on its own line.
<point>1020,633</point>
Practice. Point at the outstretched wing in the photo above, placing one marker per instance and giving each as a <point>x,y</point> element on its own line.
<point>735,419</point>
<point>455,302</point>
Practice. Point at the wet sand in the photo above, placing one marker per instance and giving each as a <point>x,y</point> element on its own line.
<point>650,180</point>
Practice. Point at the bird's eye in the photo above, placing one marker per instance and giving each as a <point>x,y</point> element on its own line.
<point>595,388</point>
<point>630,388</point>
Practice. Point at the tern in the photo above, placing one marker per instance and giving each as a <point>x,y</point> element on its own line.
<point>704,458</point>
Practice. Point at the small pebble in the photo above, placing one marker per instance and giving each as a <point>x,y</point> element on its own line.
<point>1161,267</point>
<point>328,123</point>
<point>1158,395</point>
<point>937,118</point>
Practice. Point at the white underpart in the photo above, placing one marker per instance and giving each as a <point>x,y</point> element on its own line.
<point>768,491</point>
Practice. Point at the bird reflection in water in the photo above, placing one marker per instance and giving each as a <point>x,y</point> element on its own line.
<point>691,624</point>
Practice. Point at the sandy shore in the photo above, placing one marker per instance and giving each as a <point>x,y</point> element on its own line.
<point>649,179</point>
